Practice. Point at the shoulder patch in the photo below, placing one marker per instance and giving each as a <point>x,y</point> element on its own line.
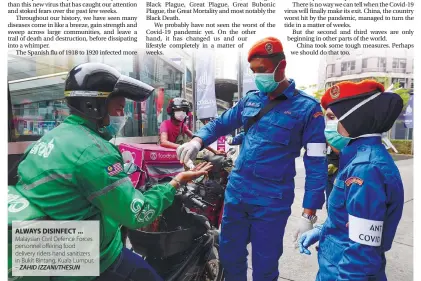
<point>115,169</point>
<point>355,180</point>
<point>317,114</point>
<point>252,92</point>
<point>253,104</point>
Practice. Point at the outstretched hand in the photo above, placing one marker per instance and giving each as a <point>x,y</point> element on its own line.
<point>198,171</point>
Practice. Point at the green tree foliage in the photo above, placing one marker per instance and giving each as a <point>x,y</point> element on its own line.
<point>403,92</point>
<point>319,94</point>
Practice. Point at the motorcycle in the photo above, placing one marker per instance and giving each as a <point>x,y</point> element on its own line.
<point>212,188</point>
<point>158,162</point>
<point>179,244</point>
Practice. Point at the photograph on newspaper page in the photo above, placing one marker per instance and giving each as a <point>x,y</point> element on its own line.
<point>210,140</point>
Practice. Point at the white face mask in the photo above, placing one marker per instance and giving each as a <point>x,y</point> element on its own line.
<point>180,115</point>
<point>116,124</point>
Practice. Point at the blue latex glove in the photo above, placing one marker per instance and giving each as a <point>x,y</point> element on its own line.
<point>308,238</point>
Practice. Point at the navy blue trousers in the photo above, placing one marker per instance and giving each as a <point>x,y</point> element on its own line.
<point>263,226</point>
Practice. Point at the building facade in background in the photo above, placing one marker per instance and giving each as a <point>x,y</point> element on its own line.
<point>394,66</point>
<point>36,89</point>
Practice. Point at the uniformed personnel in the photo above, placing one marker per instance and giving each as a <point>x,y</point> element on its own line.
<point>260,190</point>
<point>367,199</point>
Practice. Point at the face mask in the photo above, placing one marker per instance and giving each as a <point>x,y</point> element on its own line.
<point>265,82</point>
<point>180,115</point>
<point>334,138</point>
<point>116,124</point>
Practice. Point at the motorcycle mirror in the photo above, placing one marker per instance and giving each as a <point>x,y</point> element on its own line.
<point>206,157</point>
<point>127,157</point>
<point>131,168</point>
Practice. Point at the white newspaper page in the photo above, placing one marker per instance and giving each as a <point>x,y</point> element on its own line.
<point>90,79</point>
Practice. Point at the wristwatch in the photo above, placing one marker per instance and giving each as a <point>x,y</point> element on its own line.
<point>312,218</point>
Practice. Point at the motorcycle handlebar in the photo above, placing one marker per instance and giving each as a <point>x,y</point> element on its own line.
<point>198,203</point>
<point>191,198</point>
<point>225,162</point>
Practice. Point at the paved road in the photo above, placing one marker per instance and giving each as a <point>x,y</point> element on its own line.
<point>296,267</point>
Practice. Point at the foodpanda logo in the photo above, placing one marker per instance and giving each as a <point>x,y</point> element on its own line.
<point>166,156</point>
<point>153,156</point>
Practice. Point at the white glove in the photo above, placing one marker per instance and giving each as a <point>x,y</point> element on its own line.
<point>188,151</point>
<point>190,164</point>
<point>304,225</point>
<point>229,140</point>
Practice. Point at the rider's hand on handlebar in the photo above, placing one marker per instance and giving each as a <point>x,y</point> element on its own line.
<point>185,177</point>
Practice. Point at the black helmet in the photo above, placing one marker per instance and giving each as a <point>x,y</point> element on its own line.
<point>89,86</point>
<point>178,103</point>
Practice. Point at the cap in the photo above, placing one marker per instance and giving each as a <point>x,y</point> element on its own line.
<point>349,90</point>
<point>376,115</point>
<point>267,47</point>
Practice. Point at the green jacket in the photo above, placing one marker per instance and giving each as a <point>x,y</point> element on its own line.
<point>74,173</point>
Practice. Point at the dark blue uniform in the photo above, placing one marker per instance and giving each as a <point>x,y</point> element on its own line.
<point>367,194</point>
<point>238,139</point>
<point>260,190</point>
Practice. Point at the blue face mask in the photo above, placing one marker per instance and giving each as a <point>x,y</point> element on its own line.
<point>265,82</point>
<point>333,137</point>
<point>116,124</point>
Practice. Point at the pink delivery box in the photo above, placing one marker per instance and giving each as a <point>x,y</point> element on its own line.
<point>157,162</point>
